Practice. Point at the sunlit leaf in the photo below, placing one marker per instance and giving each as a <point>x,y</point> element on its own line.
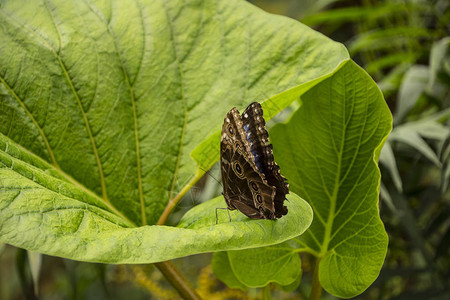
<point>102,103</point>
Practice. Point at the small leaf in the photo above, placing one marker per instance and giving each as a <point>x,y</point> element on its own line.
<point>386,197</point>
<point>291,287</point>
<point>430,127</point>
<point>258,267</point>
<point>413,85</point>
<point>329,151</point>
<point>387,159</point>
<point>439,60</point>
<point>413,134</point>
<point>222,269</point>
<point>410,137</point>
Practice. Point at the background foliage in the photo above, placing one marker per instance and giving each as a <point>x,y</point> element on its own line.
<point>403,46</point>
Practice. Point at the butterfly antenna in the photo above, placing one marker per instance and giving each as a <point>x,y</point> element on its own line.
<point>193,192</point>
<point>207,172</point>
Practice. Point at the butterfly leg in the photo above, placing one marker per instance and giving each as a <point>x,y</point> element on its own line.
<point>228,210</point>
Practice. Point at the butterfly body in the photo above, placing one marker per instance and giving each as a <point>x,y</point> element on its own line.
<point>251,179</point>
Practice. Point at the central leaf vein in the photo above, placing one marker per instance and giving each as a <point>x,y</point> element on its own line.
<point>185,112</point>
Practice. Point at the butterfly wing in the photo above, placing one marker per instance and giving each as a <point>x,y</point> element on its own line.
<point>244,188</point>
<point>256,133</point>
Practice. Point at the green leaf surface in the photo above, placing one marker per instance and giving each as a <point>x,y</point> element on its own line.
<point>204,215</point>
<point>222,269</point>
<point>258,267</point>
<point>291,287</point>
<point>102,103</point>
<point>67,221</point>
<point>329,152</point>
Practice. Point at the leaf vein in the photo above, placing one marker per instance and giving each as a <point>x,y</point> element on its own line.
<point>130,86</point>
<point>183,100</point>
<point>33,120</point>
<point>83,112</point>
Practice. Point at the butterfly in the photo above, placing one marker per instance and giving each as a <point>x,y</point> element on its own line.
<point>252,182</point>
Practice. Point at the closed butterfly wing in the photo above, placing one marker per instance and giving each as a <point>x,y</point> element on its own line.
<point>244,187</point>
<point>258,138</point>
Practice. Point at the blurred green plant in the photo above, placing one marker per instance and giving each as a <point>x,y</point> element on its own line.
<point>415,182</point>
<point>404,46</point>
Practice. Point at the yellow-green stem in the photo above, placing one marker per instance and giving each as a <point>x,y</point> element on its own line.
<point>185,290</point>
<point>316,288</point>
<point>266,292</point>
<point>174,201</point>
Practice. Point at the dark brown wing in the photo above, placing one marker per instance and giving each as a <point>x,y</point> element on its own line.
<point>244,188</point>
<point>256,133</point>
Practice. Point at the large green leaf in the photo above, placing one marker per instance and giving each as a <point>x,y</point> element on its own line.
<point>102,102</point>
<point>329,152</point>
<point>67,221</point>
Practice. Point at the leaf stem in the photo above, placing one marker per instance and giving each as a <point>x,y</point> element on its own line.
<point>177,280</point>
<point>266,292</point>
<point>307,250</point>
<point>174,201</point>
<point>316,288</point>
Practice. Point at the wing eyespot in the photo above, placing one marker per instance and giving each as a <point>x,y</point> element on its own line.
<point>230,129</point>
<point>238,169</point>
